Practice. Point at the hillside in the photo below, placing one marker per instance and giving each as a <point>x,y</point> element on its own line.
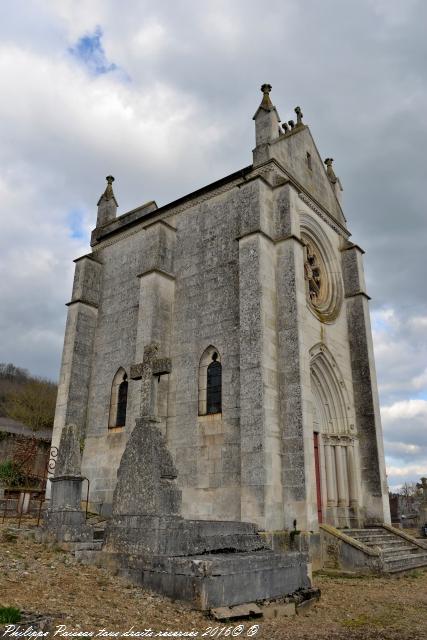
<point>26,398</point>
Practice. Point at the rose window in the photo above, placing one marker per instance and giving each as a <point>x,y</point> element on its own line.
<point>323,283</point>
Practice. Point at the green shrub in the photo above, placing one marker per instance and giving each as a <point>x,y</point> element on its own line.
<point>9,615</point>
<point>10,473</point>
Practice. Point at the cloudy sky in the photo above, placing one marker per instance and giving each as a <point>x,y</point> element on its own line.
<point>161,94</point>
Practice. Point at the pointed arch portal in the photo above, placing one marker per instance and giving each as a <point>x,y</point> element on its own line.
<point>335,445</point>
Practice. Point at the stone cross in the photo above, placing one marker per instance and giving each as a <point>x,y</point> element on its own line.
<point>150,368</point>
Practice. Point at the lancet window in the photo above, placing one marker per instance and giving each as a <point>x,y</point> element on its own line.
<point>210,382</point>
<point>118,401</point>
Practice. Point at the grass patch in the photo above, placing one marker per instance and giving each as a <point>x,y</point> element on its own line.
<point>8,535</point>
<point>379,622</point>
<point>9,615</point>
<point>336,574</point>
<point>360,621</point>
<point>416,573</point>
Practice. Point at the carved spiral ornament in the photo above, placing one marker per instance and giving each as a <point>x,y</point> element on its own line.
<point>323,282</point>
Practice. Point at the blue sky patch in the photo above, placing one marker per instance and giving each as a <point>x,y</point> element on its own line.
<point>89,51</point>
<point>75,223</point>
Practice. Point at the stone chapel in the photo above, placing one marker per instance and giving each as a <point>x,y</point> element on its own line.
<point>238,315</point>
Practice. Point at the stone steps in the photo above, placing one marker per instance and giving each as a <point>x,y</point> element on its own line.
<point>398,553</point>
<point>98,525</point>
<point>92,545</point>
<point>403,563</point>
<point>398,550</point>
<point>391,544</point>
<point>386,544</point>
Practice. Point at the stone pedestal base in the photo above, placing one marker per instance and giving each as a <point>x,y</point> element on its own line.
<point>66,526</point>
<point>223,579</point>
<point>64,521</point>
<point>66,492</point>
<point>207,563</point>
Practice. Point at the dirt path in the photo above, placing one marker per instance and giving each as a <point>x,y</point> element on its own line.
<point>49,581</point>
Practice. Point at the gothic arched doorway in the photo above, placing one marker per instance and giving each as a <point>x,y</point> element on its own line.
<point>335,444</point>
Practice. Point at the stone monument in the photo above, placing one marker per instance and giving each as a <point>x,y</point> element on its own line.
<point>64,519</point>
<point>210,563</point>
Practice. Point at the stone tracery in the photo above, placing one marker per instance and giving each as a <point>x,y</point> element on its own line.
<point>321,272</point>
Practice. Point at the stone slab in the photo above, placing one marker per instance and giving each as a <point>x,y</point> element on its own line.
<point>174,536</point>
<point>217,580</point>
<point>304,607</point>
<point>240,611</point>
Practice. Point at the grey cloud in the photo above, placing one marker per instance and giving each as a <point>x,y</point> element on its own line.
<point>401,354</point>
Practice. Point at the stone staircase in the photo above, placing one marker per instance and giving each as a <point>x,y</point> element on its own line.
<point>399,551</point>
<point>86,551</point>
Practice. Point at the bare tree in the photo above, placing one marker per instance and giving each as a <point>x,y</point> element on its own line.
<point>8,371</point>
<point>409,493</point>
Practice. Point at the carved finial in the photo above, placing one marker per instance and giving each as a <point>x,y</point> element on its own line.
<point>285,127</point>
<point>267,120</point>
<point>291,123</point>
<point>299,115</point>
<point>107,204</point>
<point>108,193</point>
<point>266,102</point>
<point>329,170</point>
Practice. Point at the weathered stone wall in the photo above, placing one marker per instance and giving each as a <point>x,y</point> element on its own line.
<point>206,448</point>
<point>376,507</point>
<point>143,277</point>
<point>76,364</point>
<point>114,347</point>
<point>300,332</point>
<point>12,444</point>
<point>291,152</point>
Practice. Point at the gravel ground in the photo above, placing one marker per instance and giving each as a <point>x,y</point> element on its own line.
<point>46,580</point>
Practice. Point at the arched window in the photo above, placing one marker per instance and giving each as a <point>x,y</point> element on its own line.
<point>213,386</point>
<point>210,382</point>
<point>122,401</point>
<point>119,398</point>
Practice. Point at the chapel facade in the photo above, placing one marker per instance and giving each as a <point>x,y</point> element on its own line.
<point>238,316</point>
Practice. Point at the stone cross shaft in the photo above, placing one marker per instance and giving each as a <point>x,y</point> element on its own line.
<point>150,368</point>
